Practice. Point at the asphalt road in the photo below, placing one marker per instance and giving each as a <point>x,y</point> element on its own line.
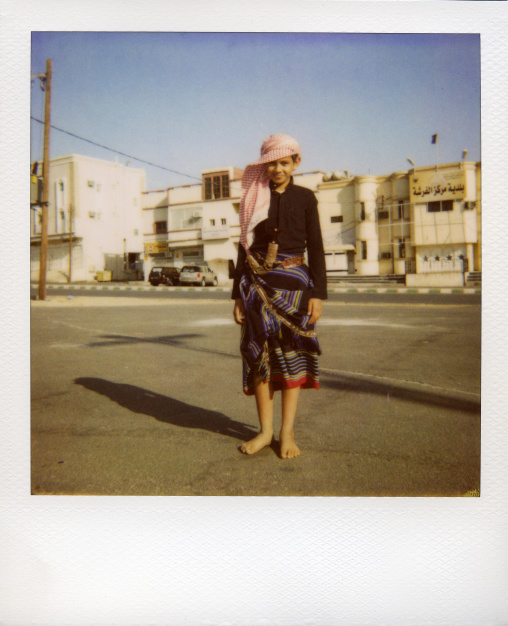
<point>133,395</point>
<point>211,293</point>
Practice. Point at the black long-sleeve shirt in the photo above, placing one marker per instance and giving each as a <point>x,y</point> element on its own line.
<point>294,212</point>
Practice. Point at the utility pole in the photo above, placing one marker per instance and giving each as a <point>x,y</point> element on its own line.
<point>45,183</point>
<point>70,242</point>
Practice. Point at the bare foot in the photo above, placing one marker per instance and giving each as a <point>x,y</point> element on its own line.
<point>288,447</point>
<point>255,445</point>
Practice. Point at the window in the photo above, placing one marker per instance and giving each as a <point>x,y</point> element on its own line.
<point>216,186</point>
<point>212,222</point>
<point>225,186</point>
<point>335,219</point>
<point>223,221</point>
<point>400,214</point>
<point>440,205</point>
<point>402,248</point>
<point>161,227</point>
<point>37,221</point>
<point>362,211</point>
<point>364,250</point>
<point>192,252</point>
<point>208,188</point>
<point>60,202</point>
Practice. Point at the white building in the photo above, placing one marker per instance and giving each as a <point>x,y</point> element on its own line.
<point>95,211</point>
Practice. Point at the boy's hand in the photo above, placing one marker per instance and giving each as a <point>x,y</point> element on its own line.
<point>239,312</point>
<point>314,309</point>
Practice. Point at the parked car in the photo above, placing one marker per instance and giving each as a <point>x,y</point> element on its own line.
<point>164,275</point>
<point>198,275</point>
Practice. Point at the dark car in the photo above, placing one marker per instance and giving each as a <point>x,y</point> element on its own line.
<point>164,275</point>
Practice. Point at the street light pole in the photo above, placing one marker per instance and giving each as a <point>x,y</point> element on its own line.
<point>69,279</point>
<point>45,184</point>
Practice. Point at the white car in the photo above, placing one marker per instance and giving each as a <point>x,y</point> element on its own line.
<point>197,275</point>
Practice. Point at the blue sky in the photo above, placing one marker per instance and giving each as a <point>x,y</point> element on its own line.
<point>196,101</point>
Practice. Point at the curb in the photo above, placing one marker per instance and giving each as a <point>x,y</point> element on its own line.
<point>397,388</point>
<point>391,290</point>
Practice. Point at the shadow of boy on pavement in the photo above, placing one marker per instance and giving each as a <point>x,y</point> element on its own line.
<point>167,410</point>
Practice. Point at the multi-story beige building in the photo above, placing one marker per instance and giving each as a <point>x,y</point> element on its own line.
<point>199,223</point>
<point>94,217</point>
<point>424,223</point>
<point>446,228</point>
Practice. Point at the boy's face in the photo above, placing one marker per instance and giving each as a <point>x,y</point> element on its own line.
<point>280,171</point>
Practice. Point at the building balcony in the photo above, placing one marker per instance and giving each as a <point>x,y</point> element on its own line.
<point>190,234</point>
<point>54,238</point>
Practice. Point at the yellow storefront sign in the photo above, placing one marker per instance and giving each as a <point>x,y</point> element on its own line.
<point>440,185</point>
<point>156,247</point>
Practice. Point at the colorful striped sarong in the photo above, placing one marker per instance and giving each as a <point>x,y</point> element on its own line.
<point>277,343</point>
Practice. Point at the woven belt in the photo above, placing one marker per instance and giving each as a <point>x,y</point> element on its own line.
<point>258,265</point>
<point>293,261</point>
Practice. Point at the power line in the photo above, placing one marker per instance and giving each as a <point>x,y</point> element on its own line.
<point>129,156</point>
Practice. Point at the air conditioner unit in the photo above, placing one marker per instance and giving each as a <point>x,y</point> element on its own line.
<point>469,206</point>
<point>196,215</point>
<point>91,183</point>
<point>91,214</point>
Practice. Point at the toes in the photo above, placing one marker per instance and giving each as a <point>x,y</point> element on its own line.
<point>290,453</point>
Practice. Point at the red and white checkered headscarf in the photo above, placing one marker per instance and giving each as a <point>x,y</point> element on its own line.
<point>255,199</point>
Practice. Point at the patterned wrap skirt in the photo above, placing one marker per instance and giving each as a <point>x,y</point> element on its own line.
<point>278,344</point>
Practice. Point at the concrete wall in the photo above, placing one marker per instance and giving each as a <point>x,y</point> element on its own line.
<point>435,279</point>
<point>337,200</point>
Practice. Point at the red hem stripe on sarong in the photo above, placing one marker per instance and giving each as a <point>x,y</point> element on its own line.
<point>279,384</point>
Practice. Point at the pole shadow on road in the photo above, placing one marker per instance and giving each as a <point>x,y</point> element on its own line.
<point>345,382</point>
<point>167,410</point>
<point>176,341</point>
